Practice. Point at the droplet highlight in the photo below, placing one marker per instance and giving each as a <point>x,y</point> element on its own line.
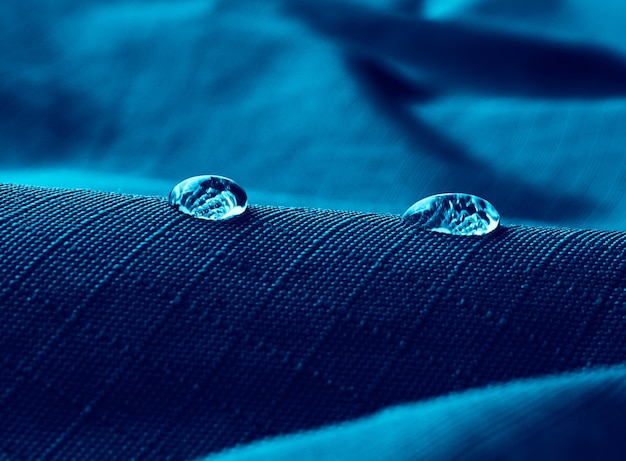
<point>209,197</point>
<point>455,214</point>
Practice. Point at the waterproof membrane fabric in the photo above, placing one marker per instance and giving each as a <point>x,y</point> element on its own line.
<point>131,330</point>
<point>297,330</point>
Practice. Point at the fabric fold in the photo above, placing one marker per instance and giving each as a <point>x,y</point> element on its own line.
<point>131,328</point>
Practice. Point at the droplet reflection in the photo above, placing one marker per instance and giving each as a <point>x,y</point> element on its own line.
<point>209,197</point>
<point>456,214</point>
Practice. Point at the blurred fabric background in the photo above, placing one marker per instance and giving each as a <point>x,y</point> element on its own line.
<point>365,106</point>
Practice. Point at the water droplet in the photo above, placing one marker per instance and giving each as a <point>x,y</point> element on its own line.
<point>456,214</point>
<point>209,197</point>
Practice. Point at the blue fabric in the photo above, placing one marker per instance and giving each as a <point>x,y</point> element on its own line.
<point>130,331</point>
<point>365,106</point>
<point>130,328</point>
<point>570,417</point>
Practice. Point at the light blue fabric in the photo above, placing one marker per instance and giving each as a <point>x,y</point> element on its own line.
<point>294,100</point>
<point>574,416</point>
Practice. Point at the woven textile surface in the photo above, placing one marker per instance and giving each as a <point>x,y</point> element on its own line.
<point>130,330</point>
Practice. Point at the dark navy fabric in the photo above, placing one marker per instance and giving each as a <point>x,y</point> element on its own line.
<point>132,331</point>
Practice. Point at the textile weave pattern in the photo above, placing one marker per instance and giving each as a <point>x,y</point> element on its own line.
<point>145,333</point>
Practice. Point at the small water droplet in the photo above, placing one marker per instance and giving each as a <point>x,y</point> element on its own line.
<point>456,214</point>
<point>209,197</point>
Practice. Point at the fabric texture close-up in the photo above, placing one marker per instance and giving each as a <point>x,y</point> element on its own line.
<point>131,330</point>
<point>335,314</point>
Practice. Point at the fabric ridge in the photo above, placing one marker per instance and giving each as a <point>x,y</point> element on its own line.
<point>144,332</point>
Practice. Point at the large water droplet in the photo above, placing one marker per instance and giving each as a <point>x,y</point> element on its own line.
<point>456,214</point>
<point>209,197</point>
